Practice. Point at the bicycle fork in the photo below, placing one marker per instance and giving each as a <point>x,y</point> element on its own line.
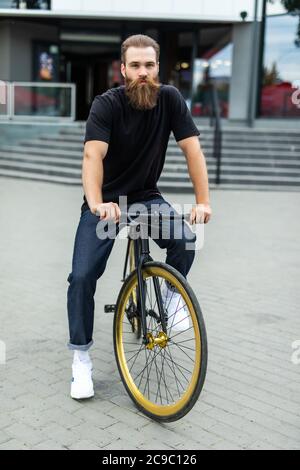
<point>142,256</point>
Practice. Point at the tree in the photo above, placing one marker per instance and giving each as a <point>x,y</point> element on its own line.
<point>270,76</point>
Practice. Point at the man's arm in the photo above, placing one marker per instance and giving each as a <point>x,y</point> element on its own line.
<point>92,180</point>
<point>198,173</point>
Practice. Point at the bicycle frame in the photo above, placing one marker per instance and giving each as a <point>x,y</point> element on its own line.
<point>142,256</point>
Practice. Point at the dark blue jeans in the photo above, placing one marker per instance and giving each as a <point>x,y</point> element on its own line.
<point>89,261</point>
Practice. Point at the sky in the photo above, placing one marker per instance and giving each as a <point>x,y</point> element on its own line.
<point>280,47</point>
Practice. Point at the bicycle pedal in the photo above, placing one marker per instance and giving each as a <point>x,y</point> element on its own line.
<point>109,308</point>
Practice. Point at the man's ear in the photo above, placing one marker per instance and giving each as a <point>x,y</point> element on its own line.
<point>123,70</point>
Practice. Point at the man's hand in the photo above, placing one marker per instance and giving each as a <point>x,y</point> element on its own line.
<point>200,214</point>
<point>107,211</point>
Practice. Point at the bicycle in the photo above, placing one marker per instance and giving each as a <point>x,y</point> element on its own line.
<point>163,372</point>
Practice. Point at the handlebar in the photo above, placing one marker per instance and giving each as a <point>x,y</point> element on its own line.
<point>141,216</point>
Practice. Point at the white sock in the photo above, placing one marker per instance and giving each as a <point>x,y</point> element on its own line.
<point>81,356</point>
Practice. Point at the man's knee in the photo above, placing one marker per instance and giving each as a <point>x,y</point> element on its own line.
<point>184,239</point>
<point>79,278</point>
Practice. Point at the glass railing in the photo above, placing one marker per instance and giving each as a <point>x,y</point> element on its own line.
<point>4,100</point>
<point>26,4</point>
<point>38,101</point>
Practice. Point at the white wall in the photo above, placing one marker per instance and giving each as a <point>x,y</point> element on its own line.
<point>16,48</point>
<point>241,78</point>
<point>22,36</point>
<point>5,48</point>
<point>215,10</point>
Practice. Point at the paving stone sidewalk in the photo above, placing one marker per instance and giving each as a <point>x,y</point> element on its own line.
<point>247,281</point>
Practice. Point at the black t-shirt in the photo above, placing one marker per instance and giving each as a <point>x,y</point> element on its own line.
<point>137,140</point>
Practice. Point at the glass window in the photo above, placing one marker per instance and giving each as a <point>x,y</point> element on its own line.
<point>214,67</point>
<point>281,64</point>
<point>26,4</point>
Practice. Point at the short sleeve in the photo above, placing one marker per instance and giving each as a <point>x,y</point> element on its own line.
<point>182,123</point>
<point>99,123</point>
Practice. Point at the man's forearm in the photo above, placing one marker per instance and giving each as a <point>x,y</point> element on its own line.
<point>198,174</point>
<point>92,179</point>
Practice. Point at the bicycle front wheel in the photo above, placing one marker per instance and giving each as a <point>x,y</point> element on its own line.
<point>164,377</point>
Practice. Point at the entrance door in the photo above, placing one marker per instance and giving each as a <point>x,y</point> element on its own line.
<point>91,74</point>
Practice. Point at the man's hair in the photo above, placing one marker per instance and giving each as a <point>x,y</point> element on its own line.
<point>139,40</point>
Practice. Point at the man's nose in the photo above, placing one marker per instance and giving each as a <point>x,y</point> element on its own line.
<point>143,73</point>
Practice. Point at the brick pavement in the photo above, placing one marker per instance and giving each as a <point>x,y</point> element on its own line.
<point>247,282</point>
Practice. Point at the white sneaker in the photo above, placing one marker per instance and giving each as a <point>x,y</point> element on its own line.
<point>82,383</point>
<point>178,317</point>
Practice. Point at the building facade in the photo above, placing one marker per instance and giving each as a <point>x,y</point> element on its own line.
<point>253,61</point>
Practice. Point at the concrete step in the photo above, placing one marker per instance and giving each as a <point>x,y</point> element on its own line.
<point>67,170</point>
<point>207,138</point>
<point>246,162</point>
<point>39,143</point>
<point>178,172</point>
<point>228,184</point>
<point>38,151</point>
<point>207,144</point>
<point>267,154</point>
<point>225,129</point>
<point>240,174</point>
<point>281,171</point>
<point>185,186</point>
<point>39,177</point>
<point>171,164</point>
<point>43,169</point>
<point>246,152</point>
<point>36,160</point>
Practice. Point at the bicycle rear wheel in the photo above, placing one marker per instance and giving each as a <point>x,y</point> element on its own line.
<point>165,377</point>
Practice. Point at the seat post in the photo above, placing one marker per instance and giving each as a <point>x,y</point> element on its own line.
<point>144,239</point>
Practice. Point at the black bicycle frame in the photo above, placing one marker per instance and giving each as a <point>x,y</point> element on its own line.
<point>142,256</point>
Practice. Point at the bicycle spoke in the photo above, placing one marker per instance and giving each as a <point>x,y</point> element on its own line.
<point>130,359</point>
<point>185,347</point>
<point>179,366</point>
<point>148,380</point>
<point>176,378</point>
<point>180,332</point>
<point>143,372</point>
<point>163,373</point>
<point>158,382</point>
<point>184,352</point>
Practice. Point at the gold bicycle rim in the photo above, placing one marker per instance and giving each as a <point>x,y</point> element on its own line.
<point>156,409</point>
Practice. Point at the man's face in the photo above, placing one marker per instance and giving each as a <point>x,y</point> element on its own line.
<point>141,77</point>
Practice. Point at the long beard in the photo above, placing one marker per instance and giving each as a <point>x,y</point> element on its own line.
<point>142,96</point>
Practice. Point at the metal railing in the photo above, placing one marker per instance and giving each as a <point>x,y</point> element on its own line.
<point>215,119</point>
<point>38,101</point>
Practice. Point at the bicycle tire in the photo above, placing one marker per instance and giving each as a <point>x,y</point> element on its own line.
<point>180,409</point>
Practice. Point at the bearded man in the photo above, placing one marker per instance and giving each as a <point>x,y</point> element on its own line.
<point>126,139</point>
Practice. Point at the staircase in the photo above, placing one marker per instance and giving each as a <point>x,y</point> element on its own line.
<point>251,158</point>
